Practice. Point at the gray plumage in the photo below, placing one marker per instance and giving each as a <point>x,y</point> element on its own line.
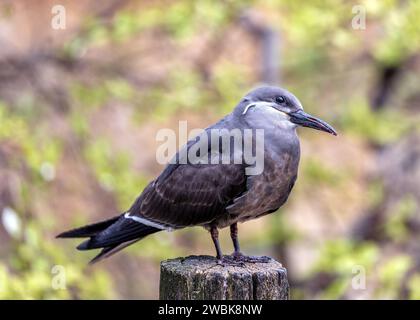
<point>216,195</point>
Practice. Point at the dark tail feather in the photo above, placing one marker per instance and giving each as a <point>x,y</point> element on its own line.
<point>109,251</point>
<point>111,235</point>
<point>123,230</point>
<point>89,230</point>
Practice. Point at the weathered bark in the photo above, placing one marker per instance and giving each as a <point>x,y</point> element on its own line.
<point>200,277</point>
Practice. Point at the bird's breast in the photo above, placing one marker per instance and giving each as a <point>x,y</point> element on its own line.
<point>267,191</point>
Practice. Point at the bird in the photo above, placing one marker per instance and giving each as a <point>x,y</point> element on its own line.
<point>216,195</point>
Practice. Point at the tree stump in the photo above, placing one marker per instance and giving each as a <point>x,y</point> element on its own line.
<point>201,278</point>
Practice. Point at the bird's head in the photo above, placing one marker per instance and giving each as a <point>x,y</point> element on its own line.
<point>283,105</point>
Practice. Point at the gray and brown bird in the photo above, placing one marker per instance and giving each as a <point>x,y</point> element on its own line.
<point>216,194</point>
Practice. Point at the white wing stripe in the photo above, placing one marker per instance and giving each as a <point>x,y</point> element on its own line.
<point>146,222</point>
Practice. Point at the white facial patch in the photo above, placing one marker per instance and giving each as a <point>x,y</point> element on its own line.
<point>265,114</point>
<point>266,107</point>
<point>251,105</point>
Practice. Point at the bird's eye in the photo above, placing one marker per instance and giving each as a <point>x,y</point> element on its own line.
<point>280,99</point>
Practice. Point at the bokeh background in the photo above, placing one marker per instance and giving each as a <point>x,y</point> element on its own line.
<point>80,109</point>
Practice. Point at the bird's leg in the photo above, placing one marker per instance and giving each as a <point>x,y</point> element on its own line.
<point>215,237</point>
<point>238,259</point>
<point>234,236</point>
<point>237,254</point>
<point>221,260</point>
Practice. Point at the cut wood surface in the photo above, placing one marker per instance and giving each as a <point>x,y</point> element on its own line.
<point>201,277</point>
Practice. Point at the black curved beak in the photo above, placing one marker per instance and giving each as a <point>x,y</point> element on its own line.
<point>306,120</point>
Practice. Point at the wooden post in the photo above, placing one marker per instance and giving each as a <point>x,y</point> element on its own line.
<point>201,278</point>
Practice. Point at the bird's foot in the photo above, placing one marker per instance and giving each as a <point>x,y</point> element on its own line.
<point>230,261</point>
<point>238,256</point>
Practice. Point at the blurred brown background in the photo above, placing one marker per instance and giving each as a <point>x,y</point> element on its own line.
<point>80,108</point>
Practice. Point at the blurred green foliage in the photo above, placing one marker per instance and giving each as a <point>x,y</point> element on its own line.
<point>33,148</point>
<point>38,268</point>
<point>377,127</point>
<point>114,172</point>
<point>319,50</point>
<point>315,171</point>
<point>396,228</point>
<point>27,272</point>
<point>403,34</point>
<point>341,257</point>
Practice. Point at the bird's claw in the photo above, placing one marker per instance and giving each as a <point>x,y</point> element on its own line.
<point>229,261</point>
<point>240,260</point>
<point>250,259</point>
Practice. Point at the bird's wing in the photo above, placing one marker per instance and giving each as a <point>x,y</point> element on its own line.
<point>186,195</point>
<point>183,195</point>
